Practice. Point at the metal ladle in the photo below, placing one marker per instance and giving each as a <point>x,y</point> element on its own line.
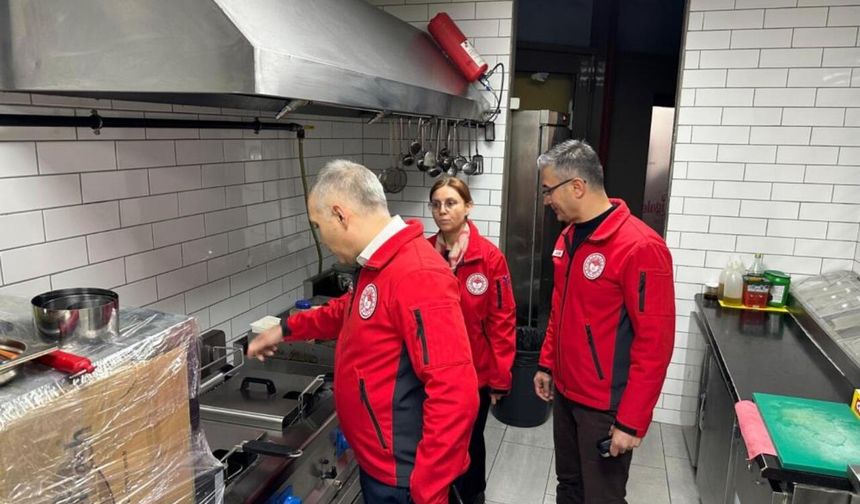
<point>435,169</point>
<point>469,168</point>
<point>395,179</point>
<point>447,160</point>
<point>430,156</point>
<point>415,146</point>
<point>426,158</point>
<point>459,161</point>
<point>408,159</point>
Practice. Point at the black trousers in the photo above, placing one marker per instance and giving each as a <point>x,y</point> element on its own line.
<point>474,481</point>
<point>375,492</point>
<point>584,477</point>
<point>469,486</point>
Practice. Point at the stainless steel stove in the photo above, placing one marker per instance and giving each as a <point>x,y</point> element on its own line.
<point>273,424</point>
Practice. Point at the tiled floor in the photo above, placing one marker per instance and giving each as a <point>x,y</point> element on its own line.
<point>521,467</point>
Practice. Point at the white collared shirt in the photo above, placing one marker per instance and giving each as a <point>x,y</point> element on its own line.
<point>394,226</point>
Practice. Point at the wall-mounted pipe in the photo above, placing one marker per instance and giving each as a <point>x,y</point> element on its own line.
<point>97,122</point>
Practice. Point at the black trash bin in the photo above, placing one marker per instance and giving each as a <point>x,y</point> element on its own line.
<point>522,407</point>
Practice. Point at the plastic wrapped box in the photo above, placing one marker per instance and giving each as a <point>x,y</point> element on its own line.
<point>123,434</point>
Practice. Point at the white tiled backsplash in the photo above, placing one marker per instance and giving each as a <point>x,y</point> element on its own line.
<point>210,223</point>
<point>206,222</point>
<point>766,154</point>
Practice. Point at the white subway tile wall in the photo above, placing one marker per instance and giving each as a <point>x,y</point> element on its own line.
<point>184,220</point>
<point>771,164</point>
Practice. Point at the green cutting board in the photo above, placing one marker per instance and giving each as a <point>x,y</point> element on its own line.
<point>815,436</point>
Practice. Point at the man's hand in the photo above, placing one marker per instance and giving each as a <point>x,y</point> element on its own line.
<point>266,343</point>
<point>543,386</point>
<point>622,442</point>
<point>494,398</point>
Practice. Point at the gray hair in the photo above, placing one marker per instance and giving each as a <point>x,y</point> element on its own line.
<point>351,181</point>
<point>574,158</point>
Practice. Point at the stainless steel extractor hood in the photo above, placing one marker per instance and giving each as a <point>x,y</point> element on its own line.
<point>256,54</point>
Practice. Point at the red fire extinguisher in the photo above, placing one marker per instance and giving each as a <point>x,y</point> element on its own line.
<point>457,47</point>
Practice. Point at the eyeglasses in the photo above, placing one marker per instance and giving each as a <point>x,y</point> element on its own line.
<point>546,191</point>
<point>448,204</point>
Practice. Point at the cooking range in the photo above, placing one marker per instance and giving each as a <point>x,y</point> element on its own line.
<point>273,424</point>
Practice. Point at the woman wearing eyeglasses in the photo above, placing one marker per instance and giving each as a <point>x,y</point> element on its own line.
<point>488,307</point>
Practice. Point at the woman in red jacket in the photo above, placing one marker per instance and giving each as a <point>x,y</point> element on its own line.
<point>488,308</point>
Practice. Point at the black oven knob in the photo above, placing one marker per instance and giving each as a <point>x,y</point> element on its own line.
<point>327,470</point>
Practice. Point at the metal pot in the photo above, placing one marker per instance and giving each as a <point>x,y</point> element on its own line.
<point>87,313</point>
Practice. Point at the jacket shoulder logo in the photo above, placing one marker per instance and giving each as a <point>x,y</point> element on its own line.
<point>367,301</point>
<point>593,266</point>
<point>477,284</point>
<point>558,253</point>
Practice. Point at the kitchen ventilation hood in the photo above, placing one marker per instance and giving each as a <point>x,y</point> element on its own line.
<point>345,57</point>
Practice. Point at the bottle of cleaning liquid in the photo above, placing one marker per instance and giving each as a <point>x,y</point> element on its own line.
<point>300,306</point>
<point>721,285</point>
<point>734,287</point>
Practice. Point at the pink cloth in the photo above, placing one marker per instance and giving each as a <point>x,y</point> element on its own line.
<point>753,430</point>
<point>455,253</point>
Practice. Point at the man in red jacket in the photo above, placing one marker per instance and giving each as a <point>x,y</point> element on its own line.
<point>405,387</point>
<point>611,328</point>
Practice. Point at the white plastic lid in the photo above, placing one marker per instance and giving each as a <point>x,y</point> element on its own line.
<point>264,323</point>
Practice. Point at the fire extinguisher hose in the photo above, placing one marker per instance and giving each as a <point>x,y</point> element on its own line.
<point>485,80</point>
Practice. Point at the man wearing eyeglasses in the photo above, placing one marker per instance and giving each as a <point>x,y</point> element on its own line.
<point>611,329</point>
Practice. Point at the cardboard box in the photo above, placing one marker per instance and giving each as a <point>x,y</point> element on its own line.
<point>122,438</point>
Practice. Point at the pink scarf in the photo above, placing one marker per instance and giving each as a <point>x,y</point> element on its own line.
<point>455,253</point>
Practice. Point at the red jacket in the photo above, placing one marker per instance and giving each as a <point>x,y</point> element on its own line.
<point>489,310</point>
<point>612,325</point>
<point>404,384</point>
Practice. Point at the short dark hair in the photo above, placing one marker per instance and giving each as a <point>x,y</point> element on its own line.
<point>574,158</point>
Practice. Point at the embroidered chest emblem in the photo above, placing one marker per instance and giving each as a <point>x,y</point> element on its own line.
<point>367,301</point>
<point>593,266</point>
<point>477,284</point>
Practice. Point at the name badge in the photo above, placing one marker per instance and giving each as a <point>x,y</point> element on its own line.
<point>558,253</point>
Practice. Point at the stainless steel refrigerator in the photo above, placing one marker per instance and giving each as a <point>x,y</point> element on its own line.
<point>530,229</point>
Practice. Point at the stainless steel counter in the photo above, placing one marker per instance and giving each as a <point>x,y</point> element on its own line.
<point>756,352</point>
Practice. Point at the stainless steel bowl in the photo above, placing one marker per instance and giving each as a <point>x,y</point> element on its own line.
<point>87,313</point>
